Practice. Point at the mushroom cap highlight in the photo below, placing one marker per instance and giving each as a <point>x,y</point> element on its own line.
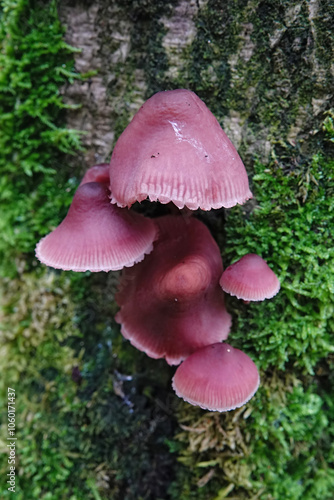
<point>97,173</point>
<point>171,304</point>
<point>175,150</point>
<point>250,278</point>
<point>217,377</point>
<point>97,236</point>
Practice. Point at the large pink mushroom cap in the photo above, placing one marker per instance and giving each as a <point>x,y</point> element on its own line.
<point>175,150</point>
<point>171,303</point>
<point>97,236</point>
<point>250,278</point>
<point>217,377</point>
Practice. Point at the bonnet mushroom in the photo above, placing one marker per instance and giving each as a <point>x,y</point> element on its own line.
<point>217,377</point>
<point>175,150</point>
<point>97,236</point>
<point>97,173</point>
<point>250,279</point>
<point>171,303</point>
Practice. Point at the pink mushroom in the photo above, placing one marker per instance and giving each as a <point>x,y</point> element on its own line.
<point>96,235</point>
<point>97,173</point>
<point>250,279</point>
<point>217,377</point>
<point>171,303</point>
<point>175,150</point>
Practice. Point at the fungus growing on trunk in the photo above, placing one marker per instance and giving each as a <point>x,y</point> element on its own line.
<point>97,236</point>
<point>175,150</point>
<point>250,279</point>
<point>217,377</point>
<point>97,173</point>
<point>171,303</point>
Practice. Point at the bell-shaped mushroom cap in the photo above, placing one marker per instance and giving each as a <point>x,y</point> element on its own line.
<point>250,278</point>
<point>175,150</point>
<point>171,303</point>
<point>97,236</point>
<point>217,377</point>
<point>97,173</point>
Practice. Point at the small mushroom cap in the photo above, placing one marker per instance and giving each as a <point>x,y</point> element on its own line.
<point>97,173</point>
<point>97,236</point>
<point>171,304</point>
<point>217,377</point>
<point>175,150</point>
<point>250,278</point>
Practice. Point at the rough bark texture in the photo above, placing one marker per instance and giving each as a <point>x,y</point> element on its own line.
<point>264,68</point>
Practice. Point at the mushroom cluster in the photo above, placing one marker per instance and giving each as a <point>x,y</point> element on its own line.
<point>171,291</point>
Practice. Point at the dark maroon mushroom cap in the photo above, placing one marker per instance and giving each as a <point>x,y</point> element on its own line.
<point>97,236</point>
<point>250,279</point>
<point>171,303</point>
<point>217,377</point>
<point>175,150</point>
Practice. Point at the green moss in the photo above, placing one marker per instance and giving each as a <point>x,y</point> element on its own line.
<point>91,413</point>
<point>291,227</point>
<point>95,417</point>
<point>278,446</point>
<point>35,62</point>
<point>34,318</point>
<point>299,428</point>
<point>36,322</point>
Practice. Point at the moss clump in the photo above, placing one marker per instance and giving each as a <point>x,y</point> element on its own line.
<point>279,446</point>
<point>262,62</point>
<point>291,227</point>
<point>35,62</point>
<point>86,427</point>
<point>33,318</point>
<point>37,319</point>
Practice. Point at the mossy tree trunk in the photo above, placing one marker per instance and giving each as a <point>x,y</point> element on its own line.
<point>95,417</point>
<point>265,69</point>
